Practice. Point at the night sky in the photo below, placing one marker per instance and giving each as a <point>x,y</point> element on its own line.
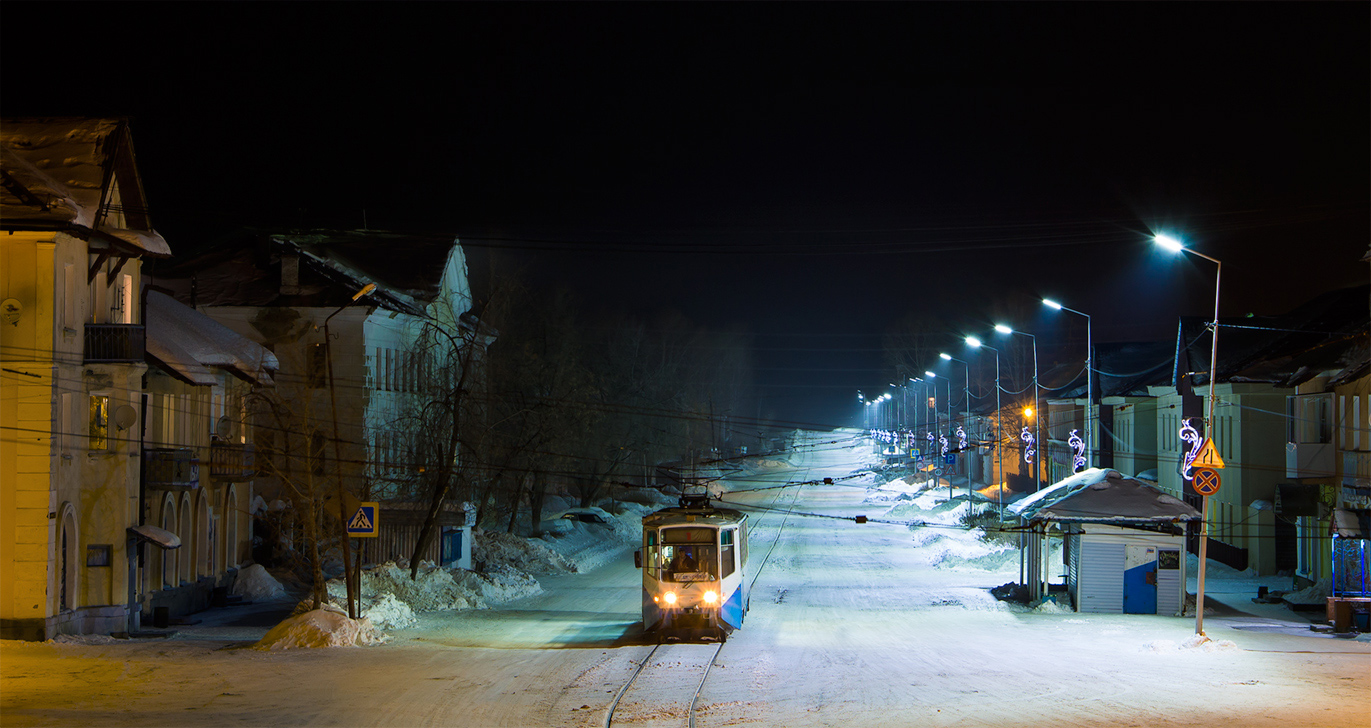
<point>809,172</point>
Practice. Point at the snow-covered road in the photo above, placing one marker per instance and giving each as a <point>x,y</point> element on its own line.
<point>851,625</point>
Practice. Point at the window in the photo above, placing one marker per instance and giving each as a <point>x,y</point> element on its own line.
<point>1310,418</point>
<point>99,422</point>
<point>727,552</point>
<point>316,366</point>
<point>99,555</point>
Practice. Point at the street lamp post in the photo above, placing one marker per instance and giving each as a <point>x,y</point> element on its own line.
<point>1089,379</point>
<point>976,343</point>
<point>352,585</point>
<point>933,376</point>
<point>966,419</point>
<point>1037,434</point>
<point>1169,243</point>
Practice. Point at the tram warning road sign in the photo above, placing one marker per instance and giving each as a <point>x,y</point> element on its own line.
<point>363,523</point>
<point>1206,481</point>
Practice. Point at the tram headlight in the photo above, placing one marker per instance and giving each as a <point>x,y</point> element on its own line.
<point>670,597</point>
<point>711,597</point>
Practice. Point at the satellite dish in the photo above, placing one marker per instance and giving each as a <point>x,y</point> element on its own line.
<point>225,427</point>
<point>125,416</point>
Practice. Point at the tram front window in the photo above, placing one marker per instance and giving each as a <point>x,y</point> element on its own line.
<point>684,563</point>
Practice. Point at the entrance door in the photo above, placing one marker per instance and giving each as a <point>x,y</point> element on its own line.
<point>1140,580</point>
<point>451,547</point>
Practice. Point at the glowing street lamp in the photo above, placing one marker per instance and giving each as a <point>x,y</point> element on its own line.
<point>1037,436</point>
<point>1089,380</point>
<point>966,393</point>
<point>1166,242</point>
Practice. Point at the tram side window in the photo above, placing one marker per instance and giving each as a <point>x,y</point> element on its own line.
<point>727,552</point>
<point>650,546</point>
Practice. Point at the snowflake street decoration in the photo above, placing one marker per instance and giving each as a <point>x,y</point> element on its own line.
<point>942,439</point>
<point>1077,451</point>
<point>1028,442</point>
<point>961,438</point>
<point>1190,436</point>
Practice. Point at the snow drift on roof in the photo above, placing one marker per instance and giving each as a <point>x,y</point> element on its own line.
<point>188,342</point>
<point>1101,495</point>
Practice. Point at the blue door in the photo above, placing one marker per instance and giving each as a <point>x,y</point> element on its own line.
<point>451,547</point>
<point>1140,580</point>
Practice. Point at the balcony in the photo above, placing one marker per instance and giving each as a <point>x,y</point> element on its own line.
<point>171,468</point>
<point>1309,460</point>
<point>232,462</point>
<point>114,343</point>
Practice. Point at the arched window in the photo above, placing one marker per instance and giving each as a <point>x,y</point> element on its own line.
<point>230,550</point>
<point>186,560</point>
<point>166,560</point>
<point>68,546</point>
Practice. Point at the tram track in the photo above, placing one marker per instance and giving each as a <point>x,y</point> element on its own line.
<point>613,709</point>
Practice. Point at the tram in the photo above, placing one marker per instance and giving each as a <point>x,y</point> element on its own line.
<point>694,562</point>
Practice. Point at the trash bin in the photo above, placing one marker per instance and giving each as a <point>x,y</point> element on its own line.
<point>161,617</point>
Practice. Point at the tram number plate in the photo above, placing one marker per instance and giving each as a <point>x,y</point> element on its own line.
<point>692,576</point>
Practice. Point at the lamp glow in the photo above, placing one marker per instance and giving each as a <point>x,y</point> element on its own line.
<point>973,341</point>
<point>1052,304</point>
<point>944,357</point>
<point>1003,329</point>
<point>931,375</point>
<point>1168,243</point>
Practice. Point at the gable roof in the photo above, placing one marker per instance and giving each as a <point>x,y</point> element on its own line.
<point>187,344</point>
<point>244,269</point>
<point>60,172</point>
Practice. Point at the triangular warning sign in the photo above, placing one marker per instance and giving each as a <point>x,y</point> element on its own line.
<point>360,521</point>
<point>1208,456</point>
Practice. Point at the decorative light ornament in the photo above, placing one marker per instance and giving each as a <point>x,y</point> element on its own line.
<point>1077,451</point>
<point>942,439</point>
<point>1028,450</point>
<point>1191,436</point>
<point>961,438</point>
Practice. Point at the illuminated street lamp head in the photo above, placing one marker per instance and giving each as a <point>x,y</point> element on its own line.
<point>931,375</point>
<point>1052,304</point>
<point>973,341</point>
<point>1028,412</point>
<point>1003,329</point>
<point>1168,243</point>
<point>368,288</point>
<point>944,357</point>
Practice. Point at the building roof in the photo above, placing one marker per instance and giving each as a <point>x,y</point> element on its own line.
<point>245,269</point>
<point>58,173</point>
<point>188,345</point>
<point>1101,495</point>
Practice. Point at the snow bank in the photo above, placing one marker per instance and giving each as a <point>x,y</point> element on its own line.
<point>529,556</point>
<point>1316,593</point>
<point>391,599</point>
<point>256,584</point>
<point>320,628</point>
<point>83,639</point>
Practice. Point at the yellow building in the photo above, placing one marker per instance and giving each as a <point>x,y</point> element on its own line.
<point>75,228</point>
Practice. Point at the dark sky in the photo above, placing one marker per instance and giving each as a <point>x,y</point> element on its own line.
<point>812,172</point>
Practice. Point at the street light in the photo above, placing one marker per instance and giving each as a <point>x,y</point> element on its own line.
<point>1089,386</point>
<point>1167,242</point>
<point>1037,433</point>
<point>350,581</point>
<point>976,343</point>
<point>966,419</point>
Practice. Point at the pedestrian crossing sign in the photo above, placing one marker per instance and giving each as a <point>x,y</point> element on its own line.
<point>363,523</point>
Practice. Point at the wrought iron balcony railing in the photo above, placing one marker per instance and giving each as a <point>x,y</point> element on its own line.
<point>231,461</point>
<point>114,343</point>
<point>171,468</point>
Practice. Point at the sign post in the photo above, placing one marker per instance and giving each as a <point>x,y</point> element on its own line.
<point>1200,466</point>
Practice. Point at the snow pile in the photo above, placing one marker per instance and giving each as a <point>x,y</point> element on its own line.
<point>320,628</point>
<point>256,584</point>
<point>1050,606</point>
<point>390,599</point>
<point>529,556</point>
<point>1316,593</point>
<point>1195,642</point>
<point>384,610</point>
<point>895,490</point>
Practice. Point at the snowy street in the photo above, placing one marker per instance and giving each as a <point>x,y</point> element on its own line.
<point>872,624</point>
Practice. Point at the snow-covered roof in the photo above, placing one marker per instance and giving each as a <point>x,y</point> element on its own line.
<point>58,172</point>
<point>1101,495</point>
<point>188,344</point>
